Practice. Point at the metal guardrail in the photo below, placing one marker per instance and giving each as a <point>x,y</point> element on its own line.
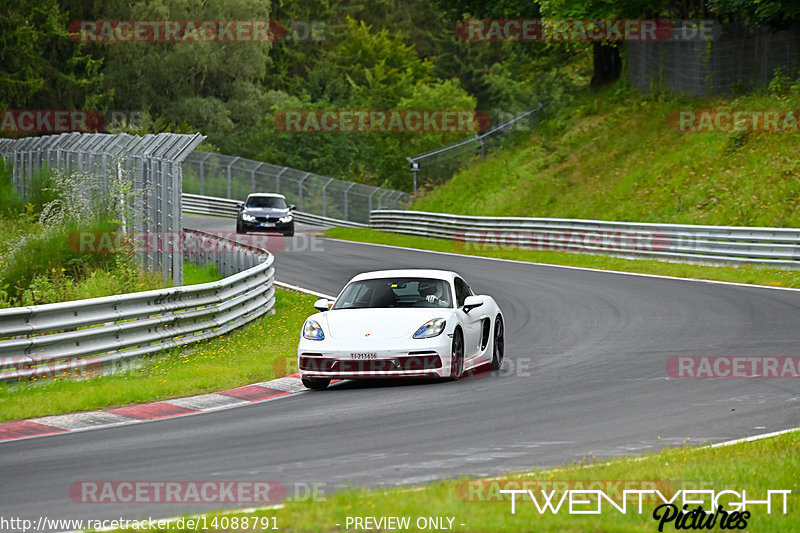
<point>778,247</point>
<point>103,335</point>
<point>439,165</point>
<point>225,176</point>
<point>225,207</point>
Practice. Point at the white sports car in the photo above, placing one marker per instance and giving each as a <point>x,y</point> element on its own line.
<point>400,323</point>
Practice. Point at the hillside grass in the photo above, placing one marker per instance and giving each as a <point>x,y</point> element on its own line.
<point>611,155</point>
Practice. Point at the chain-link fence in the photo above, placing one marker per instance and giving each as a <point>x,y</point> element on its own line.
<point>150,163</point>
<point>736,58</point>
<point>225,176</point>
<point>437,166</point>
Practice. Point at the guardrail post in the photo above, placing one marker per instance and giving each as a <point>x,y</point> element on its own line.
<point>380,199</point>
<point>300,191</point>
<point>399,195</point>
<point>346,202</point>
<point>235,159</point>
<point>414,170</point>
<point>253,178</point>
<point>325,198</point>
<point>278,180</point>
<point>370,199</point>
<point>202,173</point>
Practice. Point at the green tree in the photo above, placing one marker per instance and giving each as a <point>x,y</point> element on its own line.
<point>215,86</point>
<point>607,63</point>
<point>774,14</point>
<point>40,66</point>
<point>372,70</point>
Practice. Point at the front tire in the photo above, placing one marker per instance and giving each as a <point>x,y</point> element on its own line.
<point>316,383</point>
<point>457,355</point>
<point>499,346</point>
<point>289,232</point>
<point>239,229</point>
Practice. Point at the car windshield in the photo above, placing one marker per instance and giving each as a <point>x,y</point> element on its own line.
<point>273,202</point>
<point>395,292</point>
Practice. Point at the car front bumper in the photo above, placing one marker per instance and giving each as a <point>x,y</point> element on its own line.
<point>349,359</point>
<point>281,227</point>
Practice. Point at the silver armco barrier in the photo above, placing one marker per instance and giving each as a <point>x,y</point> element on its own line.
<point>776,247</point>
<point>103,335</point>
<point>225,207</point>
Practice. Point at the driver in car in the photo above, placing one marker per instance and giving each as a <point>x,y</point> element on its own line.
<point>432,293</point>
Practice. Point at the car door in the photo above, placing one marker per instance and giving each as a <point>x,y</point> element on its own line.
<point>470,322</point>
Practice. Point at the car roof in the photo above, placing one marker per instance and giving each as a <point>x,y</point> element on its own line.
<point>407,273</point>
<point>266,195</point>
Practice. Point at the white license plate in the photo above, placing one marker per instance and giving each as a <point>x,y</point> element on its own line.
<point>267,224</point>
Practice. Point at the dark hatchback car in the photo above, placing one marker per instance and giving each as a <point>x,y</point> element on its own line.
<point>265,212</point>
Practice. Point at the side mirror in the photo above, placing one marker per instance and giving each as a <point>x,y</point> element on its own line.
<point>292,207</point>
<point>471,302</point>
<point>240,205</point>
<point>322,304</point>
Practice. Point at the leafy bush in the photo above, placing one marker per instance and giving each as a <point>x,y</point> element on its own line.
<point>38,254</point>
<point>45,264</point>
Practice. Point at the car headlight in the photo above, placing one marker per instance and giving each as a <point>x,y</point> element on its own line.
<point>248,218</point>
<point>431,328</point>
<point>286,219</point>
<point>313,331</point>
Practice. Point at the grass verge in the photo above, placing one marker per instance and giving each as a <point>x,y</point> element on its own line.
<point>262,350</point>
<point>196,274</point>
<point>738,274</point>
<point>476,505</point>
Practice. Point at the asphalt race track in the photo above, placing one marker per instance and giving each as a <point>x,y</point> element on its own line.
<point>585,373</point>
